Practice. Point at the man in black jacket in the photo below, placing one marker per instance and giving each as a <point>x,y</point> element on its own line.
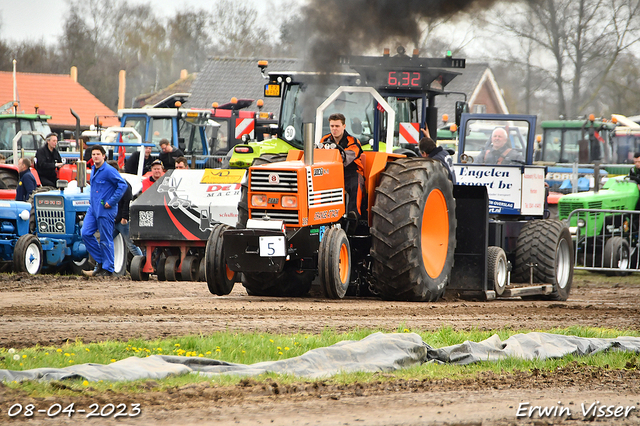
<point>48,160</point>
<point>131,165</point>
<point>169,154</point>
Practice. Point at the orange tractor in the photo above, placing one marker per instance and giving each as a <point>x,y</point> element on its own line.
<point>295,229</point>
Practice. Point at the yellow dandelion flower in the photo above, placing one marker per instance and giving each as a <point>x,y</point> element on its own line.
<point>208,352</point>
<point>177,345</point>
<point>406,330</point>
<point>46,353</point>
<point>87,349</point>
<point>85,383</point>
<point>70,361</point>
<point>242,351</point>
<point>20,364</point>
<point>24,356</point>
<point>279,353</point>
<point>271,340</point>
<point>113,360</point>
<point>200,355</point>
<point>286,348</point>
<point>159,349</point>
<point>66,354</point>
<point>72,354</point>
<point>218,350</point>
<point>58,350</point>
<point>279,348</point>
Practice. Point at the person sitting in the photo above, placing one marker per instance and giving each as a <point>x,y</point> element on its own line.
<point>351,151</point>
<point>500,152</point>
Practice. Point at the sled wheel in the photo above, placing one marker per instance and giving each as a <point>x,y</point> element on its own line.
<point>413,230</point>
<point>548,244</point>
<point>497,271</point>
<point>334,263</point>
<point>119,256</point>
<point>617,255</point>
<point>243,206</point>
<point>220,279</point>
<point>27,255</point>
<point>137,264</point>
<point>170,266</point>
<point>160,272</point>
<point>190,268</point>
<point>202,270</point>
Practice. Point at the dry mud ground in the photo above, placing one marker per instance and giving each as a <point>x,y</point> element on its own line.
<point>49,310</point>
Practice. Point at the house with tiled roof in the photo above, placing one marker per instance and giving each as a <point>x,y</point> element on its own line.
<point>182,85</point>
<point>224,78</point>
<point>54,95</point>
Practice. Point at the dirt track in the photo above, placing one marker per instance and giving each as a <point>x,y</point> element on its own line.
<point>50,310</point>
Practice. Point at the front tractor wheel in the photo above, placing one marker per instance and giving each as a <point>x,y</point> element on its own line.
<point>546,246</point>
<point>27,255</point>
<point>334,263</point>
<point>413,230</point>
<point>220,279</point>
<point>617,255</point>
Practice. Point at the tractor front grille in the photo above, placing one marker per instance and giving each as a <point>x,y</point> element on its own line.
<point>50,215</point>
<point>274,181</point>
<point>288,216</point>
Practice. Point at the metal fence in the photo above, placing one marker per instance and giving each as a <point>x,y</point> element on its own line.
<point>606,240</point>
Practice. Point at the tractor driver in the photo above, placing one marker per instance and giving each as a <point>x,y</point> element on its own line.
<point>500,152</point>
<point>351,150</point>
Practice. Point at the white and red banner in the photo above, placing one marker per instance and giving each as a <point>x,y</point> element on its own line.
<point>245,126</point>
<point>410,133</point>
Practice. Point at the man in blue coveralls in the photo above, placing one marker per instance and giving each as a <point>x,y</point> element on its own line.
<point>107,187</point>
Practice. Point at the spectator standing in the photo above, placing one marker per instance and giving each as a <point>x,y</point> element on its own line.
<point>131,165</point>
<point>169,154</point>
<point>121,225</point>
<point>107,188</point>
<point>48,161</point>
<point>157,170</point>
<point>182,163</point>
<point>27,183</point>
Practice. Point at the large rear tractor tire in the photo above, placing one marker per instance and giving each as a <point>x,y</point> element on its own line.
<point>243,205</point>
<point>9,178</point>
<point>334,263</point>
<point>220,279</point>
<point>617,255</point>
<point>27,255</point>
<point>546,243</point>
<point>413,230</point>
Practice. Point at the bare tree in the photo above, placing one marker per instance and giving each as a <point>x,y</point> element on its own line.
<point>577,41</point>
<point>236,30</point>
<point>189,40</point>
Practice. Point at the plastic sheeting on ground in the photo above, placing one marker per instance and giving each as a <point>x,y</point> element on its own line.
<point>376,352</point>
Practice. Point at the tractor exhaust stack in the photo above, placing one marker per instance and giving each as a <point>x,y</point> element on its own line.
<point>307,129</point>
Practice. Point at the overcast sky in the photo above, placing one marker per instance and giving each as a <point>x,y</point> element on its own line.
<point>43,19</point>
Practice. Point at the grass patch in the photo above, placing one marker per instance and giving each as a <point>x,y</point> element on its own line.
<point>249,348</point>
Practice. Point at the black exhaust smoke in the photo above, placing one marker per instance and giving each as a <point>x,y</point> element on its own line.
<point>331,28</point>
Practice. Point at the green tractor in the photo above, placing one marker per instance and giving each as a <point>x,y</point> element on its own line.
<point>604,225</point>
